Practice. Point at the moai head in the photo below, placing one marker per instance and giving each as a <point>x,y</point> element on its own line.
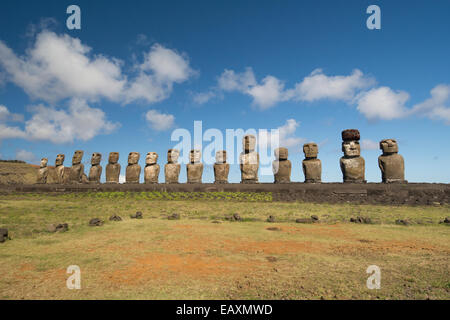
<point>249,143</point>
<point>96,158</point>
<point>221,156</point>
<point>281,153</point>
<point>133,158</point>
<point>311,150</point>
<point>172,155</point>
<point>151,158</point>
<point>389,146</point>
<point>350,144</point>
<point>195,156</point>
<point>113,157</point>
<point>77,157</point>
<point>59,160</point>
<point>44,162</point>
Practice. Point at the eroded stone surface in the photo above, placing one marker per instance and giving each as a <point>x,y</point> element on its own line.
<point>151,170</point>
<point>352,164</point>
<point>392,165</point>
<point>312,167</point>
<point>113,168</point>
<point>43,171</point>
<point>95,172</point>
<point>195,167</point>
<point>249,160</point>
<point>133,170</point>
<point>59,167</point>
<point>172,167</point>
<point>281,167</point>
<point>77,174</point>
<point>221,168</point>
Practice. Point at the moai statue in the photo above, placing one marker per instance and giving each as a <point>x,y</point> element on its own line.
<point>172,167</point>
<point>195,167</point>
<point>43,171</point>
<point>133,171</point>
<point>221,167</point>
<point>96,169</point>
<point>281,166</point>
<point>249,160</point>
<point>77,174</point>
<point>151,170</point>
<point>312,167</point>
<point>352,164</point>
<point>59,168</point>
<point>113,168</point>
<point>391,163</point>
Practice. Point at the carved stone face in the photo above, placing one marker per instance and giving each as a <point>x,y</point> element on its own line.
<point>96,158</point>
<point>60,159</point>
<point>281,153</point>
<point>195,156</point>
<point>221,156</point>
<point>249,142</point>
<point>311,150</point>
<point>113,157</point>
<point>172,155</point>
<point>133,158</point>
<point>44,162</point>
<point>389,146</point>
<point>151,158</point>
<point>77,157</point>
<point>351,148</point>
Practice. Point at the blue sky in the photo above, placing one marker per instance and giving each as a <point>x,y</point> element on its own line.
<point>310,68</point>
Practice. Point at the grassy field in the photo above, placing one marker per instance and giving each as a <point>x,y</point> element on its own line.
<point>198,258</point>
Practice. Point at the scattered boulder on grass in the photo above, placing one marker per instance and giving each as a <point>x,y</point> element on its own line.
<point>217,221</point>
<point>304,220</point>
<point>3,235</point>
<point>271,219</point>
<point>137,215</point>
<point>360,219</point>
<point>96,222</point>
<point>403,222</point>
<point>446,221</point>
<point>237,217</point>
<point>115,217</point>
<point>314,217</point>
<point>58,227</point>
<point>174,216</point>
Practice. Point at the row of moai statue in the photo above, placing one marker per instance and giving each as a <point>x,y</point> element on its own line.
<point>352,165</point>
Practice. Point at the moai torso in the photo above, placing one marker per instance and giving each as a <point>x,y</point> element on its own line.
<point>195,167</point>
<point>59,168</point>
<point>43,171</point>
<point>113,168</point>
<point>96,169</point>
<point>172,167</point>
<point>392,165</point>
<point>151,170</point>
<point>133,170</point>
<point>77,170</point>
<point>281,167</point>
<point>352,164</point>
<point>312,167</point>
<point>221,168</point>
<point>249,160</point>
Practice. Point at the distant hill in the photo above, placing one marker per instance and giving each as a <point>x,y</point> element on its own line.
<point>20,172</point>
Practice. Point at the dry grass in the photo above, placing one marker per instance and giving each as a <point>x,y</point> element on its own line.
<point>193,258</point>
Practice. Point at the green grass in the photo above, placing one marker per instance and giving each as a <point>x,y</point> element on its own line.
<point>193,258</point>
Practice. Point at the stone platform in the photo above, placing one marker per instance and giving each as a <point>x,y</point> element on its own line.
<point>370,193</point>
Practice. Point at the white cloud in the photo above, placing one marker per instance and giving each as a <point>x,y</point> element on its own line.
<point>25,155</point>
<point>318,86</point>
<point>269,93</point>
<point>159,121</point>
<point>5,115</point>
<point>203,97</point>
<point>367,144</point>
<point>60,67</point>
<point>383,103</point>
<point>232,81</point>
<point>80,122</point>
<point>283,136</point>
<point>436,107</point>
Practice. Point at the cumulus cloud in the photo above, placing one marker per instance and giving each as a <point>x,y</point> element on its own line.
<point>269,93</point>
<point>159,121</point>
<point>437,106</point>
<point>58,67</point>
<point>383,103</point>
<point>283,136</point>
<point>25,155</point>
<point>368,144</point>
<point>79,122</point>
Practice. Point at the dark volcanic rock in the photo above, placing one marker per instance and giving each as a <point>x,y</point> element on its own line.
<point>174,216</point>
<point>137,215</point>
<point>271,219</point>
<point>2,238</point>
<point>304,220</point>
<point>314,217</point>
<point>96,222</point>
<point>4,232</point>
<point>115,217</point>
<point>403,222</point>
<point>361,220</point>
